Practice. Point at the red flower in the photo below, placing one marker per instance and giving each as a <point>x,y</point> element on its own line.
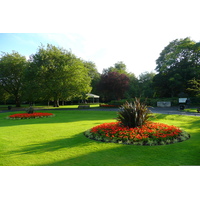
<point>26,115</point>
<point>149,130</point>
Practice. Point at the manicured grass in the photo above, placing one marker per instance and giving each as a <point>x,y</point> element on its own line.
<point>60,141</point>
<point>190,110</point>
<point>24,106</point>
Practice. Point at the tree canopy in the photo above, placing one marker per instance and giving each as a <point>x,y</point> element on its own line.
<point>113,85</point>
<point>12,66</point>
<point>177,64</point>
<point>60,75</point>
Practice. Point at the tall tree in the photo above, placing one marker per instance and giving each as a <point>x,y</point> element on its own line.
<point>93,74</point>
<point>12,66</point>
<point>119,67</point>
<point>60,74</point>
<point>177,64</point>
<point>146,84</point>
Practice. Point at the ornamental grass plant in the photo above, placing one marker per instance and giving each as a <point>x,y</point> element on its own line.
<point>133,114</point>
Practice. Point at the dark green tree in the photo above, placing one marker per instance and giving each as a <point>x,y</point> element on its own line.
<point>194,86</point>
<point>146,84</point>
<point>12,67</point>
<point>93,74</point>
<point>177,64</point>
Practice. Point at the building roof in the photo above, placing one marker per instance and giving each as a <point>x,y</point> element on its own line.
<point>92,96</point>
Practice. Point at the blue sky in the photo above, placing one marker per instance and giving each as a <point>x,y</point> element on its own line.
<point>104,32</point>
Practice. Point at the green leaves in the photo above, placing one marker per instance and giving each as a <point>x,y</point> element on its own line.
<point>177,64</point>
<point>59,73</point>
<point>12,67</point>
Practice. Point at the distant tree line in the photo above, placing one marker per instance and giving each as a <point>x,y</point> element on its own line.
<point>54,74</point>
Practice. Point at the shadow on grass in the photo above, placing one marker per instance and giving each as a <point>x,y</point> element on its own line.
<point>130,155</point>
<point>54,145</point>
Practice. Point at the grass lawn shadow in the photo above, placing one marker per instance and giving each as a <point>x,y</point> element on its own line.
<point>54,145</point>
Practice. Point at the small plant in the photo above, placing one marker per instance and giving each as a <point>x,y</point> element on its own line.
<point>150,142</point>
<point>168,141</point>
<point>175,140</point>
<point>162,143</point>
<point>133,114</point>
<point>30,110</point>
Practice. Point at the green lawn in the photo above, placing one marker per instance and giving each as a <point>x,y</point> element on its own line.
<point>24,106</point>
<point>60,141</point>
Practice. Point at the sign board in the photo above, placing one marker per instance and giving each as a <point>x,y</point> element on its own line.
<point>182,100</point>
<point>163,104</point>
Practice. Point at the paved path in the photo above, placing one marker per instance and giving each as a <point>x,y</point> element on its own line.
<point>169,111</point>
<point>173,111</point>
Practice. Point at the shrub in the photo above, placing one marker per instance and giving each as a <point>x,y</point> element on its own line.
<point>133,114</point>
<point>30,110</point>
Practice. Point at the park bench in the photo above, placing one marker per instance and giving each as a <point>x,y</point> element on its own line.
<point>84,106</point>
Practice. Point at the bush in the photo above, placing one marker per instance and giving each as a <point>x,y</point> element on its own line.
<point>133,114</point>
<point>30,110</point>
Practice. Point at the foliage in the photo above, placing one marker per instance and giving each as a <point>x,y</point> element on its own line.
<point>113,85</point>
<point>119,67</point>
<point>133,114</point>
<point>93,74</point>
<point>30,110</point>
<point>177,64</point>
<point>146,84</point>
<point>58,74</point>
<point>30,115</point>
<point>12,67</point>
<point>149,134</point>
<point>194,86</point>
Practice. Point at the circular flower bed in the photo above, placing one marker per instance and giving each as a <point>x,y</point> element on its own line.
<point>149,134</point>
<point>30,116</point>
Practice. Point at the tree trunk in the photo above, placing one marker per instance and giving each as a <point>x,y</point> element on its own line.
<point>56,103</point>
<point>17,102</point>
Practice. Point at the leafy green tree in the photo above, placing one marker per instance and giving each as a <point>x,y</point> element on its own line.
<point>119,67</point>
<point>177,64</point>
<point>194,86</point>
<point>146,84</point>
<point>4,95</point>
<point>12,67</point>
<point>60,74</point>
<point>93,74</point>
<point>133,89</point>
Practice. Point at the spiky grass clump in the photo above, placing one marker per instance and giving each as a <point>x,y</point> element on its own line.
<point>133,114</point>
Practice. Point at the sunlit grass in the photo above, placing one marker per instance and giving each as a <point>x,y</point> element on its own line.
<point>60,141</point>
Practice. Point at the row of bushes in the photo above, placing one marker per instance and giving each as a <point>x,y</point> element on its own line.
<point>194,101</point>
